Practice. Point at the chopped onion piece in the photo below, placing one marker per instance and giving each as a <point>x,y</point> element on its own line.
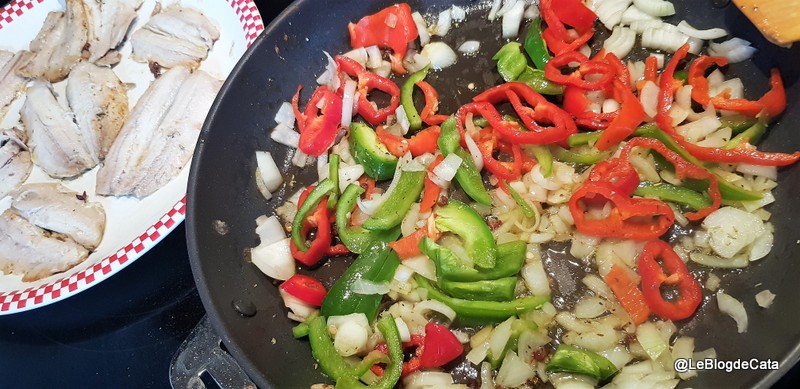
<point>478,353</point>
<point>349,174</point>
<point>384,70</point>
<point>734,49</point>
<point>458,14</point>
<point>469,47</point>
<point>444,22</point>
<point>610,12</point>
<point>649,98</point>
<point>409,224</point>
<point>403,273</point>
<point>422,28</point>
<point>650,338</point>
<point>269,172</point>
<point>275,259</point>
<point>415,62</point>
<point>655,7</point>
<point>330,77</point>
<point>351,338</point>
<point>362,286</point>
<point>500,336</point>
<point>299,309</point>
<point>422,265</point>
<point>285,114</point>
<point>711,33</point>
<point>512,18</point>
<point>322,167</point>
<point>684,348</point>
<point>374,57</point>
<point>532,12</point>
<point>620,42</point>
<point>641,25</point>
<point>536,279</point>
<point>494,9</point>
<point>337,321</point>
<point>285,135</point>
<point>440,55</point>
<point>427,379</point>
<point>731,229</point>
<point>402,328</point>
<point>761,246</point>
<point>402,118</point>
<point>765,298</point>
<point>474,152</point>
<point>736,262</point>
<point>663,39</point>
<point>348,101</point>
<point>633,14</point>
<point>425,306</point>
<point>269,230</point>
<point>359,55</point>
<point>514,371</point>
<point>446,170</point>
<point>733,308</point>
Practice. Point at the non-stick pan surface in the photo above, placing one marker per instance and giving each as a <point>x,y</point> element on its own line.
<point>244,305</point>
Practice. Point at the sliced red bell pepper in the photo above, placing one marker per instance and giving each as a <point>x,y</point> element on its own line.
<point>774,101</point>
<point>628,294</point>
<point>689,293</point>
<point>574,13</point>
<point>553,21</point>
<point>322,239</point>
<point>441,346</point>
<point>368,81</point>
<point>393,27</point>
<point>421,143</point>
<point>561,46</point>
<point>308,289</point>
<point>318,130</point>
<point>487,143</point>
<point>651,69</point>
<point>697,77</point>
<point>414,363</point>
<point>576,103</point>
<point>552,71</point>
<point>629,116</point>
<point>431,191</point>
<point>428,114</point>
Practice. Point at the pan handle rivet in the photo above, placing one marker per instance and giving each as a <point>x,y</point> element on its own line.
<point>245,307</point>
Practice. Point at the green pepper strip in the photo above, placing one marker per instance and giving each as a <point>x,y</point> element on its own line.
<point>300,331</point>
<point>513,66</point>
<point>358,239</point>
<point>333,174</point>
<point>482,312</point>
<point>316,195</point>
<point>674,194</point>
<point>369,152</point>
<point>510,258</point>
<point>728,191</point>
<point>501,289</point>
<point>391,213</point>
<point>468,176</point>
<point>526,208</point>
<point>571,359</point>
<point>544,158</point>
<point>535,45</point>
<point>584,138</point>
<point>407,98</point>
<point>750,135</point>
<point>462,220</point>
<point>563,155</point>
<point>737,123</point>
<point>394,368</point>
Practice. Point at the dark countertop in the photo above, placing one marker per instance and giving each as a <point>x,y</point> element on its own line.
<point>124,331</point>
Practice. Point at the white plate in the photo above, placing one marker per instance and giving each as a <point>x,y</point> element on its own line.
<point>133,226</point>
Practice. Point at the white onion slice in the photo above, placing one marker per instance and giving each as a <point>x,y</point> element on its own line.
<point>299,309</point>
<point>348,100</point>
<point>536,279</point>
<point>374,57</point>
<point>770,172</point>
<point>359,55</point>
<point>403,273</point>
<point>649,98</point>
<point>269,230</point>
<point>440,55</point>
<point>650,338</point>
<point>447,169</point>
<point>402,119</point>
<point>349,174</point>
<point>270,174</point>
<point>426,306</point>
<point>512,19</point>
<point>633,14</point>
<point>734,49</point>
<point>500,336</point>
<point>415,62</point>
<point>514,372</point>
<point>474,152</point>
<point>427,379</point>
<point>765,298</point>
<point>444,22</point>
<point>733,308</point>
<point>322,167</point>
<point>422,265</point>
<point>469,47</point>
<point>402,328</point>
<point>285,135</point>
<point>620,42</point>
<point>711,33</point>
<point>532,12</point>
<point>641,25</point>
<point>610,12</point>
<point>285,114</point>
<point>494,9</point>
<point>663,39</point>
<point>655,7</point>
<point>330,77</point>
<point>422,29</point>
<point>275,260</point>
<point>731,229</point>
<point>351,338</point>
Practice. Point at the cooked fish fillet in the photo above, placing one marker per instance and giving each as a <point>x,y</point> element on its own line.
<point>15,160</point>
<point>99,101</point>
<point>110,20</point>
<point>56,208</point>
<point>174,37</point>
<point>59,45</point>
<point>11,84</point>
<point>55,139</point>
<point>159,137</point>
<point>33,252</point>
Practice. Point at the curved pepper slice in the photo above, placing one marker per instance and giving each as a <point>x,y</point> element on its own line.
<point>368,81</point>
<point>421,143</point>
<point>654,277</point>
<point>462,220</point>
<point>487,143</point>
<point>510,258</point>
<point>378,162</point>
<point>355,238</point>
<point>394,209</point>
<point>467,175</point>
<point>392,27</point>
<point>318,130</point>
<point>314,197</point>
<point>628,118</point>
<point>428,113</point>
<point>394,369</point>
<point>577,77</point>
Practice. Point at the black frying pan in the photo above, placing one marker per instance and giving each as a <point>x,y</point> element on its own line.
<point>244,305</point>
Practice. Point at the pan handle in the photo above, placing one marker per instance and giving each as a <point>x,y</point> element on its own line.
<point>201,362</point>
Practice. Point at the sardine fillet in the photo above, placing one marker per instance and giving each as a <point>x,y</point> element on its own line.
<point>33,252</point>
<point>55,208</point>
<point>11,84</point>
<point>159,137</point>
<point>99,101</point>
<point>15,160</point>
<point>55,139</point>
<point>110,20</point>
<point>177,36</point>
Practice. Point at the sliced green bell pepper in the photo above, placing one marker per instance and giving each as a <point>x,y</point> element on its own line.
<point>333,174</point>
<point>535,45</point>
<point>544,158</point>
<point>311,202</point>
<point>510,258</point>
<point>391,213</point>
<point>737,123</point>
<point>523,205</point>
<point>673,194</point>
<point>468,176</point>
<point>501,289</point>
<point>482,312</point>
<point>589,158</point>
<point>750,135</point>
<point>584,138</point>
<point>394,368</point>
<point>407,98</point>
<point>358,239</point>
<point>513,66</point>
<point>369,152</point>
<point>572,359</point>
<point>377,264</point>
<point>462,220</point>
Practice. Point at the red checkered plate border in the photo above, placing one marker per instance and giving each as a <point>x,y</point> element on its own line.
<point>90,273</point>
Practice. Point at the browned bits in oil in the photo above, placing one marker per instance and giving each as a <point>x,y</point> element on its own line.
<point>155,68</point>
<point>493,222</point>
<point>629,338</point>
<point>442,201</point>
<point>541,354</point>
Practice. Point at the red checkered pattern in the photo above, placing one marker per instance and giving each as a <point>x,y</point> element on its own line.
<point>17,301</point>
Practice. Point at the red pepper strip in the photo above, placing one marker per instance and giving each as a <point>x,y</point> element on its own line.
<point>745,107</point>
<point>577,104</point>
<point>392,27</point>
<point>410,366</point>
<point>543,112</point>
<point>368,81</point>
<point>428,114</point>
<point>507,147</point>
<point>683,169</point>
<point>574,13</point>
<point>552,71</point>
<point>431,191</point>
<point>651,69</point>
<point>318,131</point>
<point>461,116</point>
<point>774,101</point>
<point>744,153</point>
<point>622,72</point>
<point>339,249</point>
<point>554,23</point>
<point>502,170</point>
<point>441,346</point>
<point>558,46</point>
<point>369,186</point>
<point>617,173</point>
<point>421,143</point>
<point>308,289</point>
<point>630,115</point>
<point>628,294</point>
<point>322,241</point>
<point>653,278</point>
<point>697,77</point>
<point>408,246</point>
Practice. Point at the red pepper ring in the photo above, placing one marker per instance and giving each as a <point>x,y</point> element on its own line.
<point>559,46</point>
<point>487,144</point>
<point>321,244</point>
<point>617,173</point>
<point>552,71</point>
<point>629,116</point>
<point>318,131</point>
<point>697,77</point>
<point>428,114</point>
<point>376,29</point>
<point>413,364</point>
<point>368,81</point>
<point>654,277</point>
